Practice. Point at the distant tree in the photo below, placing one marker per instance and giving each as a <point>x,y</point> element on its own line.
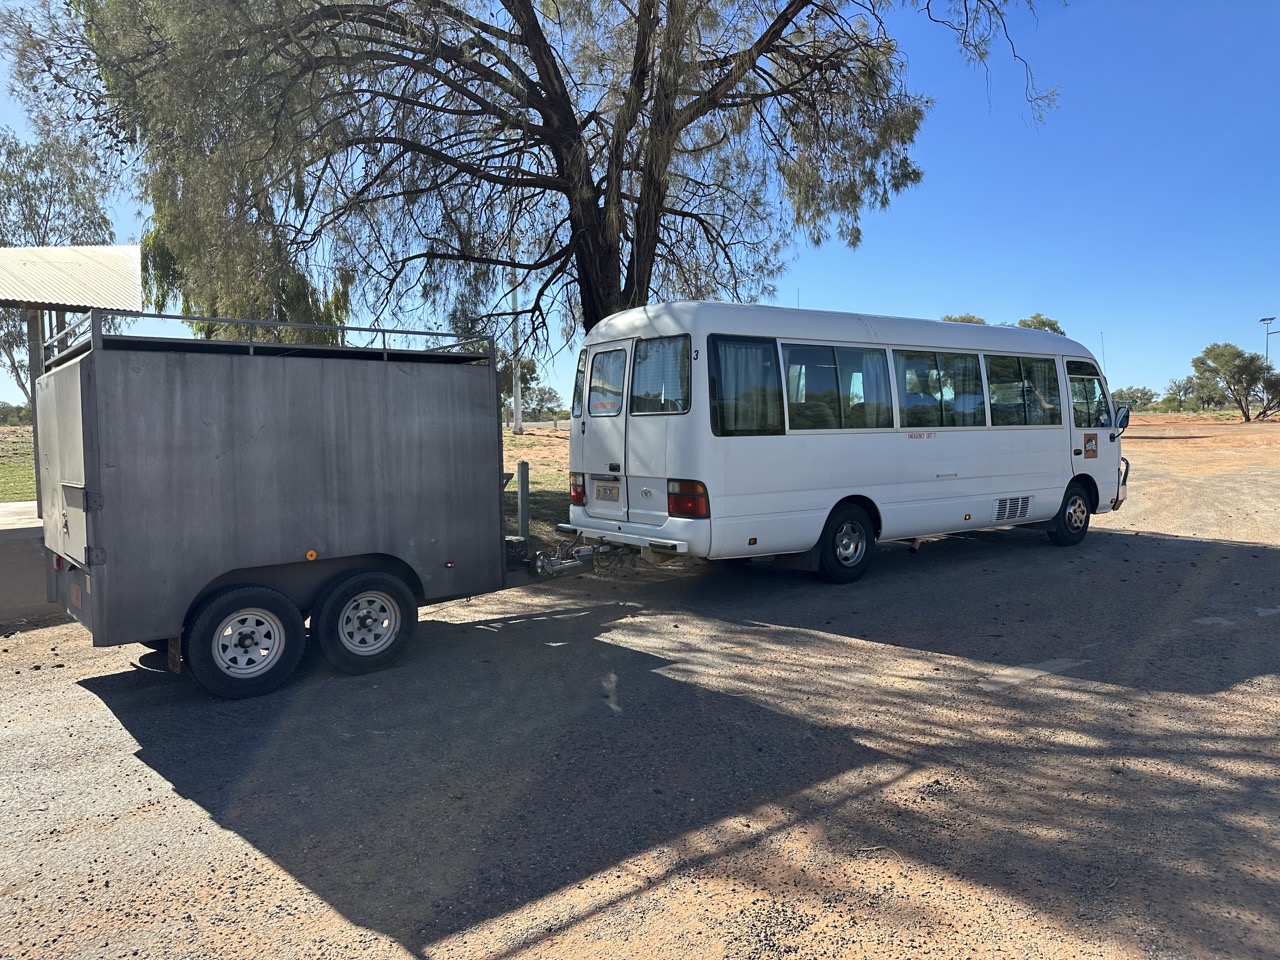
<point>1038,321</point>
<point>11,416</point>
<point>963,318</point>
<point>52,194</point>
<point>1180,390</point>
<point>1207,392</point>
<point>529,377</point>
<point>541,403</point>
<point>1268,394</point>
<point>1239,375</point>
<point>1136,398</point>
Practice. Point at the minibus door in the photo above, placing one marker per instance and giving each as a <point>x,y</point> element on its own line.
<point>1094,448</point>
<point>604,431</point>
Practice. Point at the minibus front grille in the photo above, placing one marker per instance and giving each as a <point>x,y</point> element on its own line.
<point>1012,508</point>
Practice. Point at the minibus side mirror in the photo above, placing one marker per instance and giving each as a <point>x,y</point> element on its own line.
<point>1122,421</point>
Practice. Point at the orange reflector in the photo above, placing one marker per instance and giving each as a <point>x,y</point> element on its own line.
<point>311,554</point>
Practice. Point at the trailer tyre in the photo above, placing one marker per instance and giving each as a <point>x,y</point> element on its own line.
<point>244,642</point>
<point>364,621</point>
<point>847,546</point>
<point>1072,521</point>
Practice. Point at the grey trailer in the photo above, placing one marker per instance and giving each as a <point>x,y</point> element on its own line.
<point>209,494</point>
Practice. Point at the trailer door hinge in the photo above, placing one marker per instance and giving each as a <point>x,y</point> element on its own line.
<point>93,556</point>
<point>93,501</point>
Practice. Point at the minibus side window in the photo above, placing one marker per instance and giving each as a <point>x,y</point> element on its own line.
<point>579,382</point>
<point>864,388</point>
<point>1024,392</point>
<point>1041,393</point>
<point>919,388</point>
<point>607,371</point>
<point>813,400</point>
<point>963,402</point>
<point>1088,399</point>
<point>660,376</point>
<point>745,386</point>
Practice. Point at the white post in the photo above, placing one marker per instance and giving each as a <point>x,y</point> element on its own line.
<point>517,418</point>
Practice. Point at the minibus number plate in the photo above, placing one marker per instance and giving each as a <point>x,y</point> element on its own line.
<point>607,492</point>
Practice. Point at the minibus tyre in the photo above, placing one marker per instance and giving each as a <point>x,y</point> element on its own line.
<point>364,621</point>
<point>1072,520</point>
<point>847,546</point>
<point>265,621</point>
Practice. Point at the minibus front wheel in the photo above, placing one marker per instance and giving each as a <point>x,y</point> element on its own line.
<point>1072,522</point>
<point>848,543</point>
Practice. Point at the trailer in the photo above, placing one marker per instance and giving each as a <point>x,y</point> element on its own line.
<point>208,496</point>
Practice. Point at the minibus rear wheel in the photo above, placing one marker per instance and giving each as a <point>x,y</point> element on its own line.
<point>848,543</point>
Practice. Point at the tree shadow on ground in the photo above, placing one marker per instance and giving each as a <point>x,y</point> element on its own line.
<point>501,761</point>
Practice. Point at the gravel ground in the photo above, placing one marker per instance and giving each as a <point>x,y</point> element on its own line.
<point>990,748</point>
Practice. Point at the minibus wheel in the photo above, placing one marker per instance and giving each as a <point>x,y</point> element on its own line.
<point>848,543</point>
<point>1072,521</point>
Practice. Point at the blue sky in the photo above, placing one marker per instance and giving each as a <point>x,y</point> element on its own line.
<point>1141,214</point>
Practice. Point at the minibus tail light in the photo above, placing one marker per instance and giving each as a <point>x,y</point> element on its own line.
<point>688,498</point>
<point>577,490</point>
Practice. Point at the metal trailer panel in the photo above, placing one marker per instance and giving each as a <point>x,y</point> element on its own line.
<point>212,463</point>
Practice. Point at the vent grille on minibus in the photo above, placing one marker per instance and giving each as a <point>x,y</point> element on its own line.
<point>1012,508</point>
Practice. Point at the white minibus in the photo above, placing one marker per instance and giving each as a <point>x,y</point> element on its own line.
<point>725,431</point>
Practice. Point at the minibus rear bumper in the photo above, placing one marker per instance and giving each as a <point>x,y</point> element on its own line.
<point>677,537</point>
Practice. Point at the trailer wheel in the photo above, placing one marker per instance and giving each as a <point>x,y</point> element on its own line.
<point>848,543</point>
<point>1072,521</point>
<point>244,642</point>
<point>364,621</point>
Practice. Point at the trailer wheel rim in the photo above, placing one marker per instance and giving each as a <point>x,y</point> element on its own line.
<point>849,544</point>
<point>248,643</point>
<point>369,623</point>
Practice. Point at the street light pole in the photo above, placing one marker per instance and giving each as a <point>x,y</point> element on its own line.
<point>1266,322</point>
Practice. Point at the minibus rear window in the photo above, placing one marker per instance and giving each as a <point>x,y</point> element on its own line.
<point>660,376</point>
<point>607,371</point>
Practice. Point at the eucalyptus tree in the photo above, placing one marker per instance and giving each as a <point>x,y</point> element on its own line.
<point>1038,321</point>
<point>593,154</point>
<point>1243,378</point>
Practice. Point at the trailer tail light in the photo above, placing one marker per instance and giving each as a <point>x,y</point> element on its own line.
<point>688,498</point>
<point>577,490</point>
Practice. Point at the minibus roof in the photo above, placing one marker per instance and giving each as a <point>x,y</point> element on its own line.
<point>787,323</point>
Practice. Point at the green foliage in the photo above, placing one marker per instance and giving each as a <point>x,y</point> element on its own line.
<point>1136,398</point>
<point>541,403</point>
<point>52,193</point>
<point>528,377</point>
<point>1038,321</point>
<point>597,154</point>
<point>1245,379</point>
<point>963,318</point>
<point>1179,391</point>
<point>11,416</point>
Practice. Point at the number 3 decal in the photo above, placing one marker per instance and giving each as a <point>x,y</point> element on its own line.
<point>695,354</point>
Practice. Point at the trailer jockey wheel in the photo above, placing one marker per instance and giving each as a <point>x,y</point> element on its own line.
<point>244,642</point>
<point>364,620</point>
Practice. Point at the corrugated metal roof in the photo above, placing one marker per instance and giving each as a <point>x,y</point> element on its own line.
<point>73,278</point>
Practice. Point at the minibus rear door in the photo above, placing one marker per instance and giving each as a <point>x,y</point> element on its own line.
<point>604,431</point>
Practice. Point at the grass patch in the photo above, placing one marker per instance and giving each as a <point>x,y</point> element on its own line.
<point>547,453</point>
<point>17,465</point>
